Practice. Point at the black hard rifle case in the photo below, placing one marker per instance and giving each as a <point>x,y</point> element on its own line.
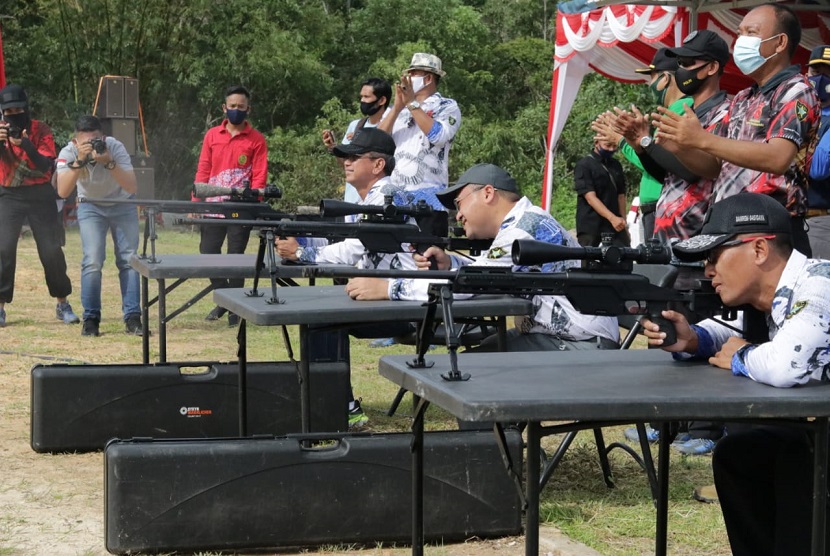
<point>191,495</point>
<point>81,407</point>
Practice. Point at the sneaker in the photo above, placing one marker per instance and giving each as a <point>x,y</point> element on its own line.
<point>357,418</point>
<point>696,447</point>
<point>64,312</point>
<point>233,320</point>
<point>681,438</point>
<point>133,325</point>
<point>382,343</point>
<point>706,494</point>
<point>653,435</point>
<point>216,314</point>
<point>90,328</point>
<point>2,318</point>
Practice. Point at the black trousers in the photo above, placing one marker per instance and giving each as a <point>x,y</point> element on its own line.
<point>211,241</point>
<point>649,215</point>
<point>37,204</point>
<point>764,479</point>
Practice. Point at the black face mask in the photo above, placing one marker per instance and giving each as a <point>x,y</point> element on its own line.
<point>22,120</point>
<point>369,108</point>
<point>687,80</point>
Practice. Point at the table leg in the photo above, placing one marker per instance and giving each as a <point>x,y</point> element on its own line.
<point>501,326</point>
<point>661,535</point>
<point>305,371</point>
<point>162,322</point>
<point>417,449</point>
<point>145,320</point>
<point>242,356</point>
<point>821,430</point>
<point>534,439</point>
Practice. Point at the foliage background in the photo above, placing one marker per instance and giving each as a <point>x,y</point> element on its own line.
<point>303,61</point>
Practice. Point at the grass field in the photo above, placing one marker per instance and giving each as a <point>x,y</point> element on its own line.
<point>49,501</point>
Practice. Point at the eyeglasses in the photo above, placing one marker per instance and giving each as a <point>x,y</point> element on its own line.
<point>457,200</point>
<point>713,255</point>
<point>356,157</point>
<point>690,62</point>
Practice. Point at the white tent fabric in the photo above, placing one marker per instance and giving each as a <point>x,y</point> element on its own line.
<point>617,39</point>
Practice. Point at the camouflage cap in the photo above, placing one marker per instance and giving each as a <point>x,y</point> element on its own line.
<point>426,62</point>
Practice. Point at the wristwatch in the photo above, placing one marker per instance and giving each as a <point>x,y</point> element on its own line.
<point>110,165</point>
<point>645,141</point>
<point>299,252</point>
<point>414,105</point>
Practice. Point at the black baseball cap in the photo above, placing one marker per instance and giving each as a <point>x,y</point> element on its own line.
<point>480,174</point>
<point>367,140</point>
<point>820,55</point>
<point>13,96</point>
<point>660,62</point>
<point>744,213</point>
<point>702,45</point>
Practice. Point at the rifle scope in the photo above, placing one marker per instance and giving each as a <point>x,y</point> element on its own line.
<point>527,252</point>
<point>334,208</point>
<point>205,190</point>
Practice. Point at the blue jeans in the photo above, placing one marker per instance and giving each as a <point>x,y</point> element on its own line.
<point>122,222</point>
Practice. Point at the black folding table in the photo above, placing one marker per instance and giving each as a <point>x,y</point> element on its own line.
<point>331,307</point>
<point>590,389</point>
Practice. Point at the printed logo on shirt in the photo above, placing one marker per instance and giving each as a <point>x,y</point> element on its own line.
<point>451,120</point>
<point>242,159</point>
<point>801,111</point>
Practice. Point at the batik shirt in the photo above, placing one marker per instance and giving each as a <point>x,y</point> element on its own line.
<point>421,160</point>
<point>785,107</point>
<point>799,330</point>
<point>351,251</point>
<point>553,315</point>
<point>682,205</point>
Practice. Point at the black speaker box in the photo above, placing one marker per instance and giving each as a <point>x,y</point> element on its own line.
<point>111,101</point>
<point>259,493</point>
<point>80,407</point>
<point>130,98</point>
<point>145,177</point>
<point>124,131</point>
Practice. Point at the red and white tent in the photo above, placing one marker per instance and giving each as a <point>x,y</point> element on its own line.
<point>615,39</point>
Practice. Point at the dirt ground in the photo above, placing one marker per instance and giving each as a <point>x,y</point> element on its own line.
<point>53,504</point>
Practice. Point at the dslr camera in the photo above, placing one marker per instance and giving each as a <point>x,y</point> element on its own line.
<point>99,144</point>
<point>15,132</point>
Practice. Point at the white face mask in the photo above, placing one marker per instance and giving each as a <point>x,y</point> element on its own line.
<point>417,83</point>
<point>747,53</point>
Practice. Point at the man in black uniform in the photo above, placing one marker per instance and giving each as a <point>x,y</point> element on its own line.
<point>600,184</point>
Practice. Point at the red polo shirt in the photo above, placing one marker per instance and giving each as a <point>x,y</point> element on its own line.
<point>229,161</point>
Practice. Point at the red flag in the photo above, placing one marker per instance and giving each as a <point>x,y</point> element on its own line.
<point>2,64</point>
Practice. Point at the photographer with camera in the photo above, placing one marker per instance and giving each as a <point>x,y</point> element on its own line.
<point>27,152</point>
<point>100,168</point>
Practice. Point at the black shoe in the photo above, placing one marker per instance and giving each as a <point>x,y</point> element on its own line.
<point>90,328</point>
<point>233,320</point>
<point>133,325</point>
<point>216,314</point>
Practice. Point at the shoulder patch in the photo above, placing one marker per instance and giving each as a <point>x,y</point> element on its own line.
<point>798,306</point>
<point>801,111</point>
<point>496,253</point>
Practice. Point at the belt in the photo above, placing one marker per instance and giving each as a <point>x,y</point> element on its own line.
<point>816,212</point>
<point>648,208</point>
